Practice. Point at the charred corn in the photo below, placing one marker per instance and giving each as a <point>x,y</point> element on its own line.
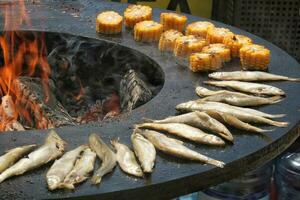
<point>220,49</point>
<point>217,35</point>
<point>147,31</point>
<point>167,40</point>
<point>199,28</point>
<point>173,21</point>
<point>136,13</point>
<point>205,62</point>
<point>235,43</point>
<point>254,57</point>
<point>109,22</point>
<point>186,45</point>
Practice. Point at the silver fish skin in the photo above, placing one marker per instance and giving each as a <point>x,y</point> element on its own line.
<point>230,108</point>
<point>53,148</point>
<point>61,167</point>
<point>144,150</point>
<point>250,76</point>
<point>13,155</point>
<point>247,87</point>
<point>106,155</point>
<point>126,159</point>
<point>185,131</point>
<point>84,166</point>
<point>235,98</point>
<point>244,116</point>
<point>235,122</point>
<point>168,146</point>
<point>199,120</point>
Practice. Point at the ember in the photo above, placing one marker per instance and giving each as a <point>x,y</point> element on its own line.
<point>50,80</point>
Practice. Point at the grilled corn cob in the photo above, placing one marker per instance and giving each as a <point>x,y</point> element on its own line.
<point>137,13</point>
<point>109,22</point>
<point>147,31</point>
<point>235,43</point>
<point>173,21</point>
<point>205,62</point>
<point>167,40</point>
<point>254,57</point>
<point>199,28</point>
<point>222,50</point>
<point>186,45</point>
<point>217,35</point>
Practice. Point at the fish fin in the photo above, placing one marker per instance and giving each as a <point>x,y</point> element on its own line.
<point>69,186</point>
<point>266,130</point>
<point>96,180</point>
<point>148,120</point>
<point>114,141</point>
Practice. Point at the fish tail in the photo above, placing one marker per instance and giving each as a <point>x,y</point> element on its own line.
<point>275,99</point>
<point>148,120</point>
<point>293,79</point>
<point>276,116</point>
<point>278,124</point>
<point>216,163</point>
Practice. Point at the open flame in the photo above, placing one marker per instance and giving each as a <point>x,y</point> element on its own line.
<point>22,56</point>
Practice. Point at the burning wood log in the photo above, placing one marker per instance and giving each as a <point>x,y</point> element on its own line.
<point>46,114</point>
<point>133,91</point>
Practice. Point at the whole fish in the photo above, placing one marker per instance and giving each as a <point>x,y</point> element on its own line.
<point>61,167</point>
<point>126,159</point>
<point>231,108</point>
<point>171,147</point>
<point>235,98</point>
<point>200,120</point>
<point>250,76</point>
<point>13,155</point>
<point>243,115</point>
<point>53,148</point>
<point>235,122</point>
<point>254,88</point>
<point>185,131</point>
<point>106,155</point>
<point>84,166</point>
<point>144,150</point>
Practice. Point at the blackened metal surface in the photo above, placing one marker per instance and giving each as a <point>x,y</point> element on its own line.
<point>171,177</point>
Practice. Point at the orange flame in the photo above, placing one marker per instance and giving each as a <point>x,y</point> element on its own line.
<point>22,56</point>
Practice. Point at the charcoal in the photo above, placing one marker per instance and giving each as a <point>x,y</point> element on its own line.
<point>46,114</point>
<point>133,91</point>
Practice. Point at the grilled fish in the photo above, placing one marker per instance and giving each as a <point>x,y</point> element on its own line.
<point>200,120</point>
<point>235,98</point>
<point>254,88</point>
<point>82,169</point>
<point>126,159</point>
<point>242,114</point>
<point>168,146</point>
<point>144,150</point>
<point>13,155</point>
<point>53,148</point>
<point>107,156</point>
<point>61,167</point>
<point>235,122</point>
<point>185,131</point>
<point>250,76</point>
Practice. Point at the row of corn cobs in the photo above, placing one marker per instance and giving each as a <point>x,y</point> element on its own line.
<point>207,47</point>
